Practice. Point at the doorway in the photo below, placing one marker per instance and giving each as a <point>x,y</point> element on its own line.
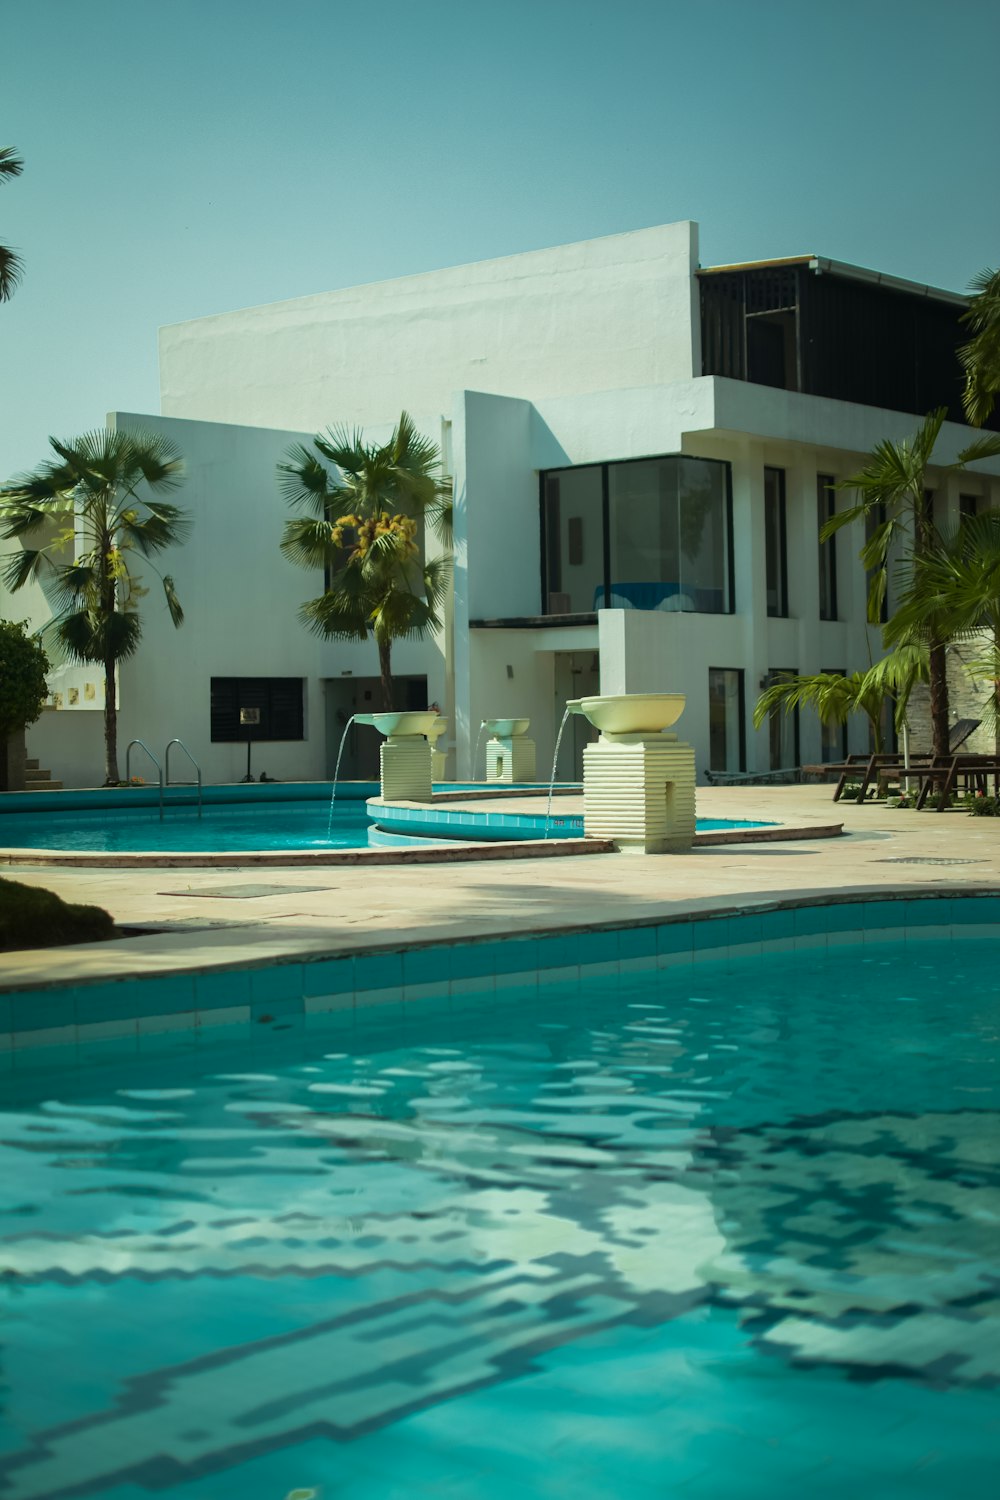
<point>344,696</point>
<point>577,675</point>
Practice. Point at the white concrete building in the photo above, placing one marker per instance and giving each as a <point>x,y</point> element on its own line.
<point>642,453</point>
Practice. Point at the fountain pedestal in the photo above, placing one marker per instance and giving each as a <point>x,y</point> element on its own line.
<point>638,782</point>
<point>510,758</point>
<point>639,790</point>
<point>405,768</point>
<point>405,757</point>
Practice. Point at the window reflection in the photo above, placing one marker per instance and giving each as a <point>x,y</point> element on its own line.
<point>668,527</point>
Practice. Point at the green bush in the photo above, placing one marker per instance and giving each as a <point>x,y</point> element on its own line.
<point>981,806</point>
<point>23,665</point>
<point>34,918</point>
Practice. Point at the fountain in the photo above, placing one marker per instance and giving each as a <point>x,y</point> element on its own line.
<point>438,757</point>
<point>638,782</point>
<point>510,755</point>
<point>555,761</point>
<point>479,741</point>
<point>405,758</point>
<point>336,774</point>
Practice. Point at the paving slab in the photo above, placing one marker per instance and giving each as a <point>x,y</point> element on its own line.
<point>352,908</point>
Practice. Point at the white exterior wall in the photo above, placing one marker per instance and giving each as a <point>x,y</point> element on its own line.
<point>240,599</point>
<point>599,315</point>
<point>577,355</point>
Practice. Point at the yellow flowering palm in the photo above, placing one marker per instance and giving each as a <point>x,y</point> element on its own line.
<point>367,504</point>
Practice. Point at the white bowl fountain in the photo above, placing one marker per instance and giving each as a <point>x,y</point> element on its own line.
<point>631,713</point>
<point>510,755</point>
<point>638,782</point>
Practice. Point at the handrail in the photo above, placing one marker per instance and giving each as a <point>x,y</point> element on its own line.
<point>156,763</point>
<point>187,752</point>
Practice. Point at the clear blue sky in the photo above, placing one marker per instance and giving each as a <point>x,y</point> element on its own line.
<point>186,157</point>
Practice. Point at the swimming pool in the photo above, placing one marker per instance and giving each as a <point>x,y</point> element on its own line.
<point>237,827</point>
<point>725,1230</point>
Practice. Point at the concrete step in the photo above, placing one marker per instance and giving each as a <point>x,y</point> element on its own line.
<point>36,774</point>
<point>33,785</point>
<point>31,765</point>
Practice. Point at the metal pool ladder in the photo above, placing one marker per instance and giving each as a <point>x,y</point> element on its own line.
<point>187,752</point>
<point>156,763</point>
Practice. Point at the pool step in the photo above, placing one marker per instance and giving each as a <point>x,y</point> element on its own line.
<point>37,780</point>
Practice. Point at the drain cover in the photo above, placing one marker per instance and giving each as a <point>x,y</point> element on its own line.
<point>920,859</point>
<point>242,892</point>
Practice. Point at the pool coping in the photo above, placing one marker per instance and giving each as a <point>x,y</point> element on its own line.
<point>440,852</point>
<point>281,989</point>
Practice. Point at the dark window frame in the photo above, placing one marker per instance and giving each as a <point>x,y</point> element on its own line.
<point>741,708</point>
<point>837,672</point>
<point>780,611</point>
<point>826,506</point>
<point>777,674</point>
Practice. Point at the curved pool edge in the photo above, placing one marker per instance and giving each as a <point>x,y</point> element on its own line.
<point>442,851</point>
<point>421,851</point>
<point>329,985</point>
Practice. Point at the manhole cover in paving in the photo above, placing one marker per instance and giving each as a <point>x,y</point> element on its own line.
<point>925,859</point>
<point>240,892</point>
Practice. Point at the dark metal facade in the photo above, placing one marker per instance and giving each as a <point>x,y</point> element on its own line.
<point>830,335</point>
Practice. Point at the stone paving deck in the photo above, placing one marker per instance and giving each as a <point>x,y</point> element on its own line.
<point>205,920</point>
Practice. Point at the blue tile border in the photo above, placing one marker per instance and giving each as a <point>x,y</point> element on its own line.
<point>284,992</point>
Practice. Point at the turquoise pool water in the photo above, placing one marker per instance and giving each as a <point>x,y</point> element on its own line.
<point>232,827</point>
<point>724,1231</point>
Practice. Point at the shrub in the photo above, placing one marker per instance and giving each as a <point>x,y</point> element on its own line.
<point>981,806</point>
<point>31,917</point>
<point>23,665</point>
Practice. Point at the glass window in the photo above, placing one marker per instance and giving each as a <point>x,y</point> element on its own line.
<point>775,553</point>
<point>574,541</point>
<point>784,728</point>
<point>703,534</point>
<point>645,564</point>
<point>826,507</point>
<point>968,505</point>
<point>833,737</point>
<point>726,738</point>
<point>668,525</point>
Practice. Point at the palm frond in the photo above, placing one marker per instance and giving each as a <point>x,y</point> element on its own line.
<point>303,480</point>
<point>11,272</point>
<point>153,527</point>
<point>11,165</point>
<point>88,635</point>
<point>980,357</point>
<point>22,567</point>
<point>308,543</point>
<point>173,603</point>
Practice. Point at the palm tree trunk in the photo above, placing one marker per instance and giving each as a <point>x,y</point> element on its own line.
<point>938,684</point>
<point>385,674</point>
<point>111,776</point>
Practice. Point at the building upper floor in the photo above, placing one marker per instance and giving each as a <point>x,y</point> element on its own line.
<point>625,312</point>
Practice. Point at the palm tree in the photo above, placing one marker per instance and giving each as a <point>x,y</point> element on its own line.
<point>11,165</point>
<point>981,355</point>
<point>893,488</point>
<point>835,698</point>
<point>367,502</point>
<point>957,584</point>
<point>86,503</point>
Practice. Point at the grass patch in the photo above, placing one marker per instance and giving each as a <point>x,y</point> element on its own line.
<point>34,918</point>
